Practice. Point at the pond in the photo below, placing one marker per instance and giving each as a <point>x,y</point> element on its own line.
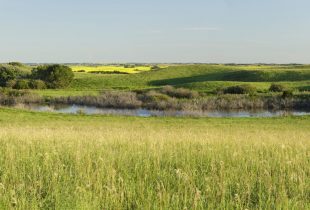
<point>90,110</point>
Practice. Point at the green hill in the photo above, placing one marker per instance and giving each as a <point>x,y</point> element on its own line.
<point>204,78</point>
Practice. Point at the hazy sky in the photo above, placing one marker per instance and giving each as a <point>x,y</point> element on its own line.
<point>241,31</point>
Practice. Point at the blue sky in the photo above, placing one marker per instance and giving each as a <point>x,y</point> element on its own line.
<point>240,31</point>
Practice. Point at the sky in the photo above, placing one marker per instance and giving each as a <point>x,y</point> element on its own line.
<point>155,31</point>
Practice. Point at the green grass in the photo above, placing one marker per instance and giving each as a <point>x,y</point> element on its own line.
<point>56,161</point>
<point>204,78</point>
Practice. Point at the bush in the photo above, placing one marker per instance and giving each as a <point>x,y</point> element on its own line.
<point>157,101</point>
<point>153,96</point>
<point>155,67</point>
<point>304,88</point>
<point>239,89</point>
<point>13,93</point>
<point>11,83</point>
<point>276,88</point>
<point>22,84</point>
<point>26,84</point>
<point>16,64</point>
<point>10,97</point>
<point>119,99</point>
<point>287,94</point>
<point>7,73</point>
<point>37,84</point>
<point>179,92</point>
<point>55,76</point>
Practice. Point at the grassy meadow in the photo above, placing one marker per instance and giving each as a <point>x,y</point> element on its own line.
<point>203,78</point>
<point>55,161</point>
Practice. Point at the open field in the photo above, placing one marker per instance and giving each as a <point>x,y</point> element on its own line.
<point>203,78</point>
<point>52,161</point>
<point>110,68</point>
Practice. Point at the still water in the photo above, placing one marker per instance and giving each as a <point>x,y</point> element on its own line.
<point>89,110</point>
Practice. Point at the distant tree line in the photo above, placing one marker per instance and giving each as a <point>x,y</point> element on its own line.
<point>18,76</point>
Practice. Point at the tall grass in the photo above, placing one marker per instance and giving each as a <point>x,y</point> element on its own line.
<point>52,161</point>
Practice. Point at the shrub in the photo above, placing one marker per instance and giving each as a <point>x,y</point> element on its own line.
<point>126,66</point>
<point>219,91</point>
<point>121,99</point>
<point>304,88</point>
<point>13,97</point>
<point>287,94</point>
<point>179,92</point>
<point>55,76</point>
<point>155,67</point>
<point>158,101</point>
<point>11,83</point>
<point>13,93</point>
<point>276,88</point>
<point>153,96</point>
<point>16,64</point>
<point>37,84</point>
<point>22,84</point>
<point>239,89</point>
<point>7,73</point>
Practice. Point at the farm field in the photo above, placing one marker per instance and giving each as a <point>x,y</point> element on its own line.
<point>111,68</point>
<point>203,78</point>
<point>55,161</point>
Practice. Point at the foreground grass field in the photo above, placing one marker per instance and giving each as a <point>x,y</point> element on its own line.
<point>52,161</point>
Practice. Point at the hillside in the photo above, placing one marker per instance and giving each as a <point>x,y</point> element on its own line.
<point>200,77</point>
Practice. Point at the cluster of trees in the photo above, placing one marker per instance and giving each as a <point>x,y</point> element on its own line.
<point>17,76</point>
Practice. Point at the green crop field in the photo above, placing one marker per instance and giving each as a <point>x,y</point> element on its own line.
<point>55,161</point>
<point>204,78</point>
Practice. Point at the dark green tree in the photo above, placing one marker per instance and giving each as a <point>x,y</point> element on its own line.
<point>55,76</point>
<point>7,73</point>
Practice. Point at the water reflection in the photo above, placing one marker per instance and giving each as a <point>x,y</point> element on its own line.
<point>89,110</point>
